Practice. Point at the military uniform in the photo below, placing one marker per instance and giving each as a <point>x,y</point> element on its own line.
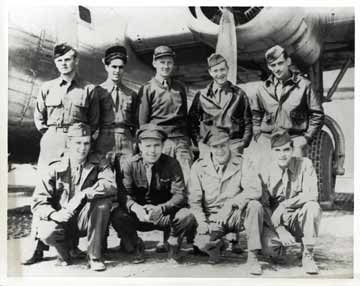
<point>291,105</point>
<point>234,113</point>
<point>165,104</point>
<point>66,186</point>
<point>296,190</point>
<point>118,114</point>
<point>165,188</point>
<point>290,200</point>
<point>60,104</point>
<point>209,190</point>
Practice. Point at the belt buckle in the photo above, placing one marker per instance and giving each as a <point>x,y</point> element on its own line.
<point>65,129</point>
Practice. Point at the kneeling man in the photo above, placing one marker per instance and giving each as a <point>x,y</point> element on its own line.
<point>154,187</point>
<point>223,194</point>
<point>291,200</point>
<point>73,199</point>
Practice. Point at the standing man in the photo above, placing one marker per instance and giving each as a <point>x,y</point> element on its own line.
<point>291,200</point>
<point>118,110</point>
<point>73,199</point>
<point>155,196</point>
<point>61,102</point>
<point>221,104</point>
<point>164,103</point>
<point>286,100</point>
<point>223,195</point>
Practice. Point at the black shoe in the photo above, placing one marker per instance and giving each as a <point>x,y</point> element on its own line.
<point>35,258</point>
<point>76,253</point>
<point>139,252</point>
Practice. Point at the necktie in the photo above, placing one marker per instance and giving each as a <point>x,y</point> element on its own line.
<point>148,169</point>
<point>117,99</point>
<point>278,89</point>
<point>286,183</point>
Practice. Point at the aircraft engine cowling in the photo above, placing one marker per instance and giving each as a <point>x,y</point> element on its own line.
<point>259,28</point>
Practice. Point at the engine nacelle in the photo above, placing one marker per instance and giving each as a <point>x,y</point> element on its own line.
<point>259,28</point>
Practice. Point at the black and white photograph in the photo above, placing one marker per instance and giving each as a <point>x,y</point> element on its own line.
<point>180,141</point>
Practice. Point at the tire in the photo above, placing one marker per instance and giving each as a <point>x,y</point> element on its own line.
<point>321,153</point>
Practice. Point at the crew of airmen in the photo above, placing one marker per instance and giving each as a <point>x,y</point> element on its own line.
<point>111,157</point>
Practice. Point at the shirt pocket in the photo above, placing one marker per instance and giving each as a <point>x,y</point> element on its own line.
<point>79,105</point>
<point>53,99</point>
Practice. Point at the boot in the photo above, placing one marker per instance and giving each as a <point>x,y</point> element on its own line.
<point>96,265</point>
<point>174,250</point>
<point>253,263</point>
<point>37,254</point>
<point>308,262</point>
<point>213,249</point>
<point>76,253</point>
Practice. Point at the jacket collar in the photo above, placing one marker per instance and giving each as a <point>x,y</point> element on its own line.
<point>293,79</point>
<point>109,85</point>
<point>233,166</point>
<point>209,89</point>
<point>64,166</point>
<point>76,81</point>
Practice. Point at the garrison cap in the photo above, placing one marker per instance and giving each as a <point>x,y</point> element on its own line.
<point>279,138</point>
<point>163,51</point>
<point>217,135</point>
<point>79,130</point>
<point>151,131</point>
<point>115,52</point>
<point>62,49</point>
<point>273,53</point>
<point>215,59</point>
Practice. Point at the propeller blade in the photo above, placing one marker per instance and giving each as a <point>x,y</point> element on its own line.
<point>227,43</point>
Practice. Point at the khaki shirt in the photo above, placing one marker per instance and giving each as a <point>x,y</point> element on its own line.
<point>302,184</point>
<point>297,109</point>
<point>209,190</point>
<point>61,104</point>
<point>56,186</point>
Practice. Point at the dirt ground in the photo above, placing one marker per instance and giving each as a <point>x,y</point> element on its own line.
<point>334,254</point>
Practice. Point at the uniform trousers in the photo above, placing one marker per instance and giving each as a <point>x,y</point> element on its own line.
<point>180,224</point>
<point>179,148</point>
<point>303,223</point>
<point>250,219</point>
<point>91,221</point>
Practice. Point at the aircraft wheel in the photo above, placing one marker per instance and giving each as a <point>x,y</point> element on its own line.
<point>321,152</point>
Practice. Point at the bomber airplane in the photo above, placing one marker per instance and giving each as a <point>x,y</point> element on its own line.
<point>318,40</point>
